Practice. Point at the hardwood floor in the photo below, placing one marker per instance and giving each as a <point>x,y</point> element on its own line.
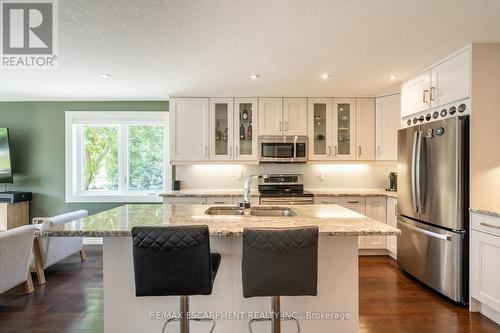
<point>390,302</point>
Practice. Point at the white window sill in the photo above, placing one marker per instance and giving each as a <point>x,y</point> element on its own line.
<point>114,198</point>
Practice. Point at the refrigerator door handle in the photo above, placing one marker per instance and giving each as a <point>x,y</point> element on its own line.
<point>413,171</point>
<point>418,172</point>
<point>427,232</point>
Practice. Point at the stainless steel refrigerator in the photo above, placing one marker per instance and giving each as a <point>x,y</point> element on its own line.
<point>433,203</point>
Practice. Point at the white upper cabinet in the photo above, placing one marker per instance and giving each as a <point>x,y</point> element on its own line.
<point>295,116</point>
<point>270,116</point>
<point>221,129</point>
<point>320,122</point>
<point>387,121</point>
<point>450,81</point>
<point>446,82</point>
<point>245,129</point>
<point>189,129</point>
<point>365,129</point>
<point>415,94</point>
<point>344,129</point>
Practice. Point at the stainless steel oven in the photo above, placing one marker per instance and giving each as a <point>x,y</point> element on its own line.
<point>284,190</point>
<point>283,149</point>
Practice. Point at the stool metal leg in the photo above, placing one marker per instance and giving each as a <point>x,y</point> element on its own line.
<point>276,318</point>
<point>184,320</point>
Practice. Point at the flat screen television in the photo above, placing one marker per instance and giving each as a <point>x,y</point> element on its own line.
<point>5,165</point>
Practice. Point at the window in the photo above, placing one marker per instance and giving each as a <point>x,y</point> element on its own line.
<point>116,156</point>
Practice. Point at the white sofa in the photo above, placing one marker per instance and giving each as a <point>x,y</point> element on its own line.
<point>50,250</point>
<point>16,246</point>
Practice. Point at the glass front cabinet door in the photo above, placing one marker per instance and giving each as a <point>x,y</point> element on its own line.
<point>245,129</point>
<point>344,127</point>
<point>221,118</point>
<point>320,128</point>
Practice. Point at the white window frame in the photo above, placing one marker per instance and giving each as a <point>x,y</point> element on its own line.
<point>73,147</point>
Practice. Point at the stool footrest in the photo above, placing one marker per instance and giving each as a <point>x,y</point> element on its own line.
<point>283,318</point>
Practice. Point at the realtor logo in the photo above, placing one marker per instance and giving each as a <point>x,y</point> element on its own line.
<point>29,33</point>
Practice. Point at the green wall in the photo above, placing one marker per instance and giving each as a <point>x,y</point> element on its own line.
<point>37,143</point>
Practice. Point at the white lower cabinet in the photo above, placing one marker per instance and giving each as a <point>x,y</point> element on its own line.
<point>485,263</point>
<point>376,209</point>
<point>392,220</point>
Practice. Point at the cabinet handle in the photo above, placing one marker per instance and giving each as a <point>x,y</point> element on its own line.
<point>219,202</point>
<point>378,150</point>
<point>329,150</point>
<point>359,150</point>
<point>286,126</point>
<point>484,224</point>
<point>236,151</point>
<point>334,150</point>
<point>423,98</point>
<point>353,201</point>
<point>433,89</point>
<point>280,126</point>
<point>230,151</point>
<point>206,150</point>
<point>327,202</point>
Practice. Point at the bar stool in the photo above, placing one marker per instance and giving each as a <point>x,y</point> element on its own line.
<point>174,261</point>
<point>279,262</point>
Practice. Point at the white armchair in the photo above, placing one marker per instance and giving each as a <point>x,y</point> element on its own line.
<point>15,253</point>
<point>50,250</point>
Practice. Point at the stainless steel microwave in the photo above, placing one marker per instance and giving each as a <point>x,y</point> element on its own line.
<point>283,149</point>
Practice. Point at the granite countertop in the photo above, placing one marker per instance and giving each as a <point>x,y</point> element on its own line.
<point>353,192</point>
<point>332,220</point>
<point>486,212</point>
<point>255,193</point>
<point>208,193</point>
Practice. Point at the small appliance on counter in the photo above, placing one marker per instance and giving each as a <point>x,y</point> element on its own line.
<point>393,182</point>
<point>284,190</point>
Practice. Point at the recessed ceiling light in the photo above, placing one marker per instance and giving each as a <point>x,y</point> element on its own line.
<point>255,76</point>
<point>105,75</point>
<point>392,77</point>
<point>325,76</point>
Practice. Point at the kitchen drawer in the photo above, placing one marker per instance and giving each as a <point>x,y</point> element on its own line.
<point>186,200</point>
<point>485,223</point>
<point>326,200</point>
<point>352,201</point>
<point>220,200</point>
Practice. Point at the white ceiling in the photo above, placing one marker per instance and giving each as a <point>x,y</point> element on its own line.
<point>154,49</point>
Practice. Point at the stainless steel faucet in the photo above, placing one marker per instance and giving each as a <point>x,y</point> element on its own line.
<point>246,189</point>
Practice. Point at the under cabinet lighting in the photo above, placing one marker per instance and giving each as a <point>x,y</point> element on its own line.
<point>325,76</point>
<point>392,77</point>
<point>255,76</point>
<point>342,167</point>
<point>105,75</point>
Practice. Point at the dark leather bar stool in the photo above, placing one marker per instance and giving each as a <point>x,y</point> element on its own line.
<point>174,261</point>
<point>279,262</point>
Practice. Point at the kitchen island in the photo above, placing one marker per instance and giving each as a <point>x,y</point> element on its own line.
<point>335,309</point>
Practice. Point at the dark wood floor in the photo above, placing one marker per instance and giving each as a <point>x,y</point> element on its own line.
<point>390,302</point>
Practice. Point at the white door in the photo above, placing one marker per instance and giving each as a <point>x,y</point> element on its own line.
<point>376,209</point>
<point>344,129</point>
<point>189,129</point>
<point>450,81</point>
<point>270,116</point>
<point>392,220</point>
<point>361,210</point>
<point>388,121</point>
<point>221,129</point>
<point>485,268</point>
<point>320,124</point>
<point>295,116</point>
<point>365,129</point>
<point>246,124</point>
<point>415,94</point>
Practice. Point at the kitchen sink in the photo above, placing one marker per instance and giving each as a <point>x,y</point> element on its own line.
<point>272,211</point>
<point>224,210</point>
